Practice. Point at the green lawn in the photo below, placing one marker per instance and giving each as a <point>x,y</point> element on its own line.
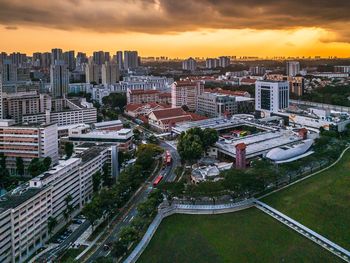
<point>245,236</point>
<point>322,202</point>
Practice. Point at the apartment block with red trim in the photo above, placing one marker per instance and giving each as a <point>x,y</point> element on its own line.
<point>27,142</point>
<point>185,93</point>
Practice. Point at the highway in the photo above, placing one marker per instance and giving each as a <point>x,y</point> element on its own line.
<point>168,173</point>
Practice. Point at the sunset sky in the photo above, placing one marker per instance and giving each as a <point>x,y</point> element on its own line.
<point>179,28</point>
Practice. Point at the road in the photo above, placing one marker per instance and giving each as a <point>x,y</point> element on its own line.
<point>168,173</point>
<point>51,254</point>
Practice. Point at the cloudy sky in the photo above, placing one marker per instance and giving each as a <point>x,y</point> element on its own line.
<point>179,28</point>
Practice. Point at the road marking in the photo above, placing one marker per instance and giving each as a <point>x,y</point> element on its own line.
<point>109,252</point>
<point>131,218</point>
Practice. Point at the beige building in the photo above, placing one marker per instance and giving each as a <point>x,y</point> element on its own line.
<point>185,93</point>
<point>28,142</point>
<point>110,73</point>
<point>145,96</point>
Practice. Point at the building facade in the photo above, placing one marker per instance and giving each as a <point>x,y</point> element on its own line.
<point>271,96</point>
<point>185,93</point>
<point>216,105</point>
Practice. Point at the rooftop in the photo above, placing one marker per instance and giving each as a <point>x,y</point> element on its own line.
<point>18,196</point>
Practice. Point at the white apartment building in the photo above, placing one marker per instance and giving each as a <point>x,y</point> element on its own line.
<point>186,93</point>
<point>28,142</point>
<point>92,73</point>
<point>293,68</point>
<point>271,96</point>
<point>110,73</point>
<point>25,211</point>
<point>189,64</point>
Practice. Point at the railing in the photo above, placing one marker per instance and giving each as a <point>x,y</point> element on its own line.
<point>303,230</point>
<point>166,211</point>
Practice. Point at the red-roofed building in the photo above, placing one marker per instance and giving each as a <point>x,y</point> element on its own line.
<point>138,109</point>
<point>145,96</point>
<point>162,120</point>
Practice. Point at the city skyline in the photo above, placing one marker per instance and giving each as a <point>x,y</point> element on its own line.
<point>178,29</point>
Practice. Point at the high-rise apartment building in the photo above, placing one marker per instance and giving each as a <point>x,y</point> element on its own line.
<point>293,68</point>
<point>185,93</point>
<point>69,59</point>
<point>211,63</point>
<point>59,77</point>
<point>92,73</point>
<point>45,60</point>
<point>99,57</point>
<point>26,210</point>
<point>110,73</point>
<point>224,62</point>
<point>271,96</point>
<point>1,106</point>
<point>56,55</point>
<point>119,60</point>
<point>189,64</point>
<point>131,59</point>
<point>18,59</point>
<point>9,72</point>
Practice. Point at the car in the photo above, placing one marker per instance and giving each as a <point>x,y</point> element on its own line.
<point>77,221</point>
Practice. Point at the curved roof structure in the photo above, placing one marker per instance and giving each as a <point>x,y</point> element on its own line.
<point>288,152</point>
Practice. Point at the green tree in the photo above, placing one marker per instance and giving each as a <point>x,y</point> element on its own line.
<point>128,235</point>
<point>47,163</point>
<point>68,149</point>
<point>119,249</point>
<point>96,181</point>
<point>19,166</point>
<point>35,167</point>
<point>2,160</point>
<point>92,211</point>
<point>210,137</point>
<point>69,207</point>
<point>189,147</point>
<point>51,224</point>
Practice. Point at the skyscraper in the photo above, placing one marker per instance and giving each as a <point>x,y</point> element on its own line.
<point>69,59</point>
<point>224,62</point>
<point>98,57</point>
<point>56,55</point>
<point>45,60</point>
<point>92,72</point>
<point>1,114</point>
<point>120,59</point>
<point>59,76</point>
<point>189,64</point>
<point>110,73</point>
<point>293,68</point>
<point>131,59</point>
<point>9,71</point>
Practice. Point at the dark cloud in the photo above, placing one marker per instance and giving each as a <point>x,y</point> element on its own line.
<point>11,27</point>
<point>172,16</point>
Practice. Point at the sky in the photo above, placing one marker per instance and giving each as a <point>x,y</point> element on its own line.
<point>179,28</point>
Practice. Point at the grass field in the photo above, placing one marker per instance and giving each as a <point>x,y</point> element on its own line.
<point>245,236</point>
<point>322,202</point>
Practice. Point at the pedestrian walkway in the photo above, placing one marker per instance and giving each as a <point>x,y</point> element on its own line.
<point>303,230</point>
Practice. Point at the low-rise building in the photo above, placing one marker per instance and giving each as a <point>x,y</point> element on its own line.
<point>122,138</point>
<point>145,96</point>
<point>138,109</point>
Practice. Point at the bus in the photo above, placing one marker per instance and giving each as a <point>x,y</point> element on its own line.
<point>167,158</point>
<point>157,181</point>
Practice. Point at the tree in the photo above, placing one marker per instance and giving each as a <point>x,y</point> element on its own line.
<point>96,181</point>
<point>69,149</point>
<point>35,167</point>
<point>106,175</point>
<point>189,147</point>
<point>128,235</point>
<point>92,211</point>
<point>2,160</point>
<point>51,224</point>
<point>47,163</point>
<point>19,166</point>
<point>153,139</point>
<point>119,249</point>
<point>69,207</point>
<point>210,137</point>
<point>137,135</point>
